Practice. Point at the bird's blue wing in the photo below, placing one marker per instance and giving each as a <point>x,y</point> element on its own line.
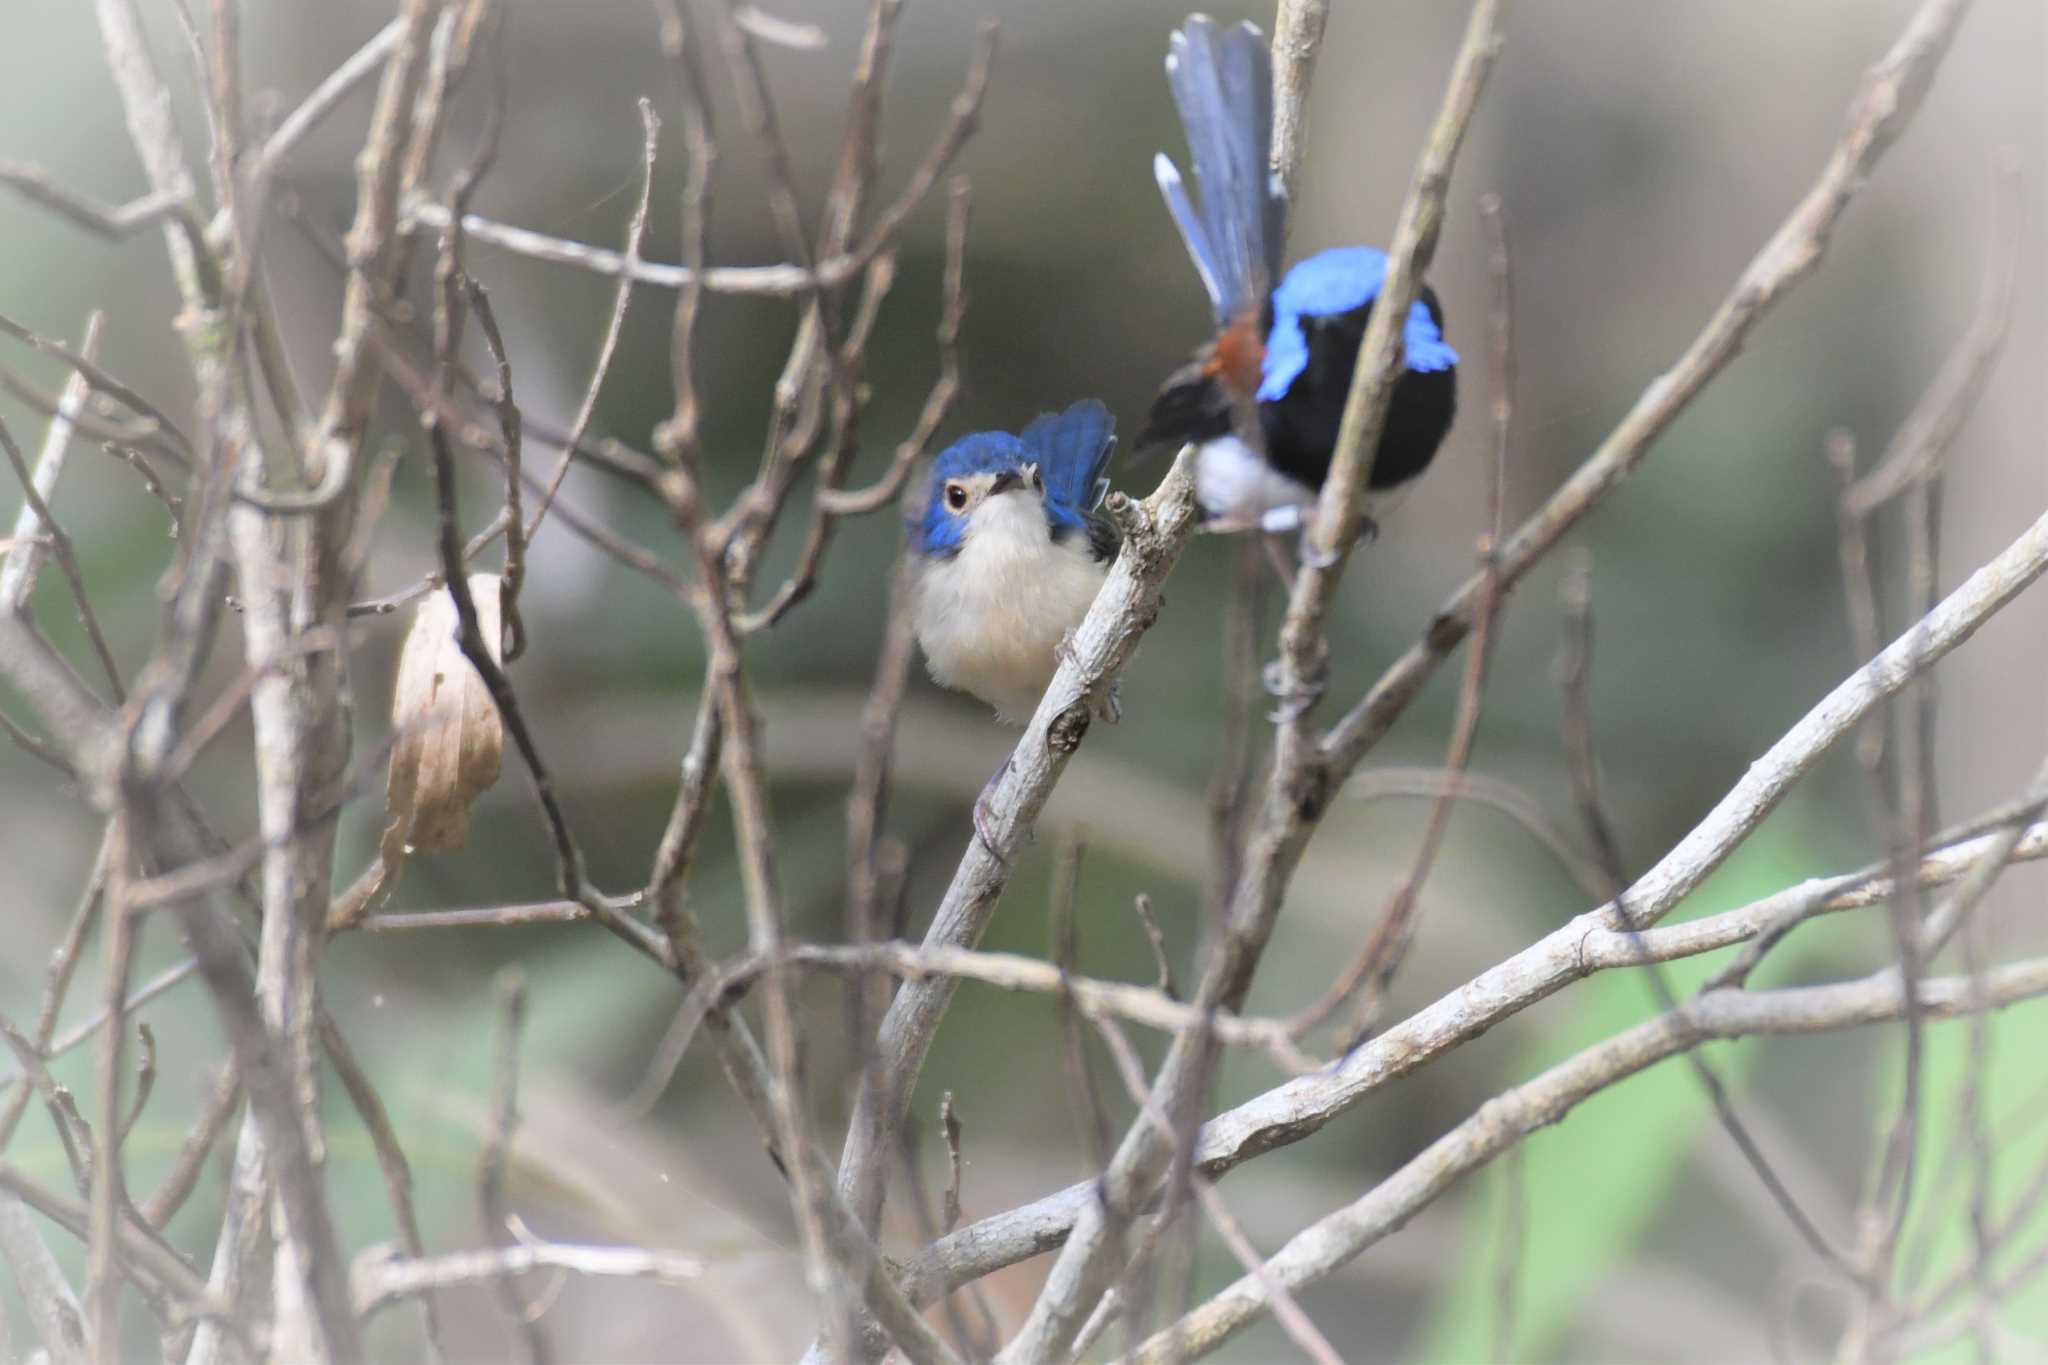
<point>1223,87</point>
<point>1071,449</point>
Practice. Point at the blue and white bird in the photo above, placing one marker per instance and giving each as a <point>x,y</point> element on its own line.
<point>1012,551</point>
<point>1264,399</point>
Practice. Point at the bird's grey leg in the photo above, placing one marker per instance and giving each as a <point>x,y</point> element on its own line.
<point>1293,701</point>
<point>1277,557</point>
<point>1278,521</point>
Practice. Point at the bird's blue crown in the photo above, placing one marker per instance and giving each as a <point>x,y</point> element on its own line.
<point>1325,285</point>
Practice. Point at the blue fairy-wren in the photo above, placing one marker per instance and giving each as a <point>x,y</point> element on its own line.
<point>1263,399</point>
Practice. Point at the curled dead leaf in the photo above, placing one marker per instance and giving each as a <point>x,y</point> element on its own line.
<point>448,747</point>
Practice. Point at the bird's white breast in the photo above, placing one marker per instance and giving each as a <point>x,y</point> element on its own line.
<point>990,619</point>
<point>1241,491</point>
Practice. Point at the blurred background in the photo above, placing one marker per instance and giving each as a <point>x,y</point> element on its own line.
<point>1644,149</point>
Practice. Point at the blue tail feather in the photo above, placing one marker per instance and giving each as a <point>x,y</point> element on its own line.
<point>1072,448</point>
<point>1222,86</point>
<point>1193,235</point>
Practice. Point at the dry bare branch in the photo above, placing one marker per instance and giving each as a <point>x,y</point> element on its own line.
<point>636,232</point>
<point>52,1306</point>
<point>490,1167</point>
<point>1154,532</point>
<point>1297,39</point>
<point>1295,788</point>
<point>182,1179</point>
<point>1917,447</point>
<point>1293,1111</point>
<point>382,1276</point>
<point>1885,104</point>
<point>1512,1115</point>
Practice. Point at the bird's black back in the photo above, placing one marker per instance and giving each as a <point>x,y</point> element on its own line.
<point>1301,426</point>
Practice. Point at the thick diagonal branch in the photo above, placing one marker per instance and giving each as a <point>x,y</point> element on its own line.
<point>1154,532</point>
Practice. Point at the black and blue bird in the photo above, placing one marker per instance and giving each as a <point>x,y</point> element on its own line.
<point>1263,399</point>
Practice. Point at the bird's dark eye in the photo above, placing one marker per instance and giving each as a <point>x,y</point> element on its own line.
<point>956,496</point>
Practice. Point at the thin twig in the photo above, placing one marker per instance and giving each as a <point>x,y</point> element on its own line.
<point>636,233</point>
<point>1297,40</point>
<point>678,438</point>
<point>381,1277</point>
<point>1509,1250</point>
<point>490,1165</point>
<point>1575,679</point>
<point>511,433</point>
<point>149,1265</point>
<point>57,980</point>
<point>588,527</point>
<point>867,798</point>
<point>391,1162</point>
<point>73,1134</point>
<point>1918,446</point>
<point>1300,1330</point>
<point>52,1306</point>
<point>841,502</point>
<point>339,83</point>
<point>25,555</point>
<point>109,1190</point>
<point>114,222</point>
<point>782,281</point>
<point>949,1124</point>
<point>1494,794</point>
<point>1083,1103</point>
<point>1230,780</point>
<point>1141,905</point>
<point>178,1183</point>
<point>67,559</point>
<point>101,381</point>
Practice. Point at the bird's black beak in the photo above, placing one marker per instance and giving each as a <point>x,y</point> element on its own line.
<point>1006,480</point>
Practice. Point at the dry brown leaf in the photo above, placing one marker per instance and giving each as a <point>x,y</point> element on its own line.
<point>449,745</point>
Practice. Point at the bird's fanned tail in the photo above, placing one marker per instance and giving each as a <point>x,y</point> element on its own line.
<point>1072,449</point>
<point>1222,84</point>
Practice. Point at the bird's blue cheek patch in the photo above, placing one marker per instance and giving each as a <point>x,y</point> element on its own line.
<point>1286,357</point>
<point>939,533</point>
<point>1428,352</point>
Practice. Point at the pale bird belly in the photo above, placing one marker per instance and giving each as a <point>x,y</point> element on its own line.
<point>1240,491</point>
<point>990,620</point>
